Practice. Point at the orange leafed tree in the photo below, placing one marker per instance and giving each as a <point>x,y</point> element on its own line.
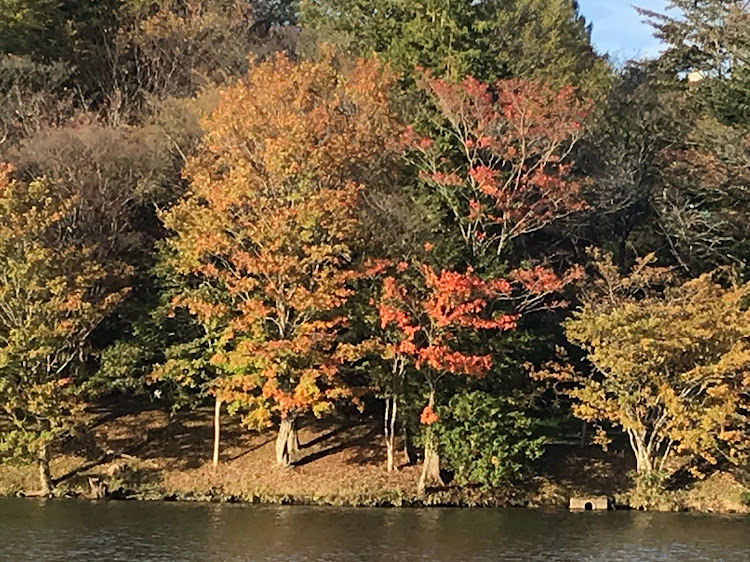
<point>511,173</point>
<point>267,236</point>
<point>424,313</point>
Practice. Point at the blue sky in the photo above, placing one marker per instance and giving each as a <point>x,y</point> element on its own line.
<point>618,29</point>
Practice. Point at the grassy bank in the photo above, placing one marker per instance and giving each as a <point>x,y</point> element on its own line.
<point>154,456</point>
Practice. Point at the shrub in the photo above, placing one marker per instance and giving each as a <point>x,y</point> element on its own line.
<point>487,439</point>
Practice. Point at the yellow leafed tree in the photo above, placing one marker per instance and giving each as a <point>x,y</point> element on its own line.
<point>670,362</point>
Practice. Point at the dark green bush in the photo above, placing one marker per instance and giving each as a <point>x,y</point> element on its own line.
<point>486,439</point>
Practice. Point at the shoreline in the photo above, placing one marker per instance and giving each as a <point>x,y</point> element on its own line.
<point>150,455</point>
<point>363,503</point>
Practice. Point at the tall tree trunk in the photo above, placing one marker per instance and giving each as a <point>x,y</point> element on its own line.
<point>391,406</point>
<point>431,465</point>
<point>287,442</point>
<point>217,431</point>
<point>45,475</point>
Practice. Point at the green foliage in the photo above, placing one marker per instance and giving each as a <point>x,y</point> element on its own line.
<point>53,293</point>
<point>24,22</point>
<point>486,439</point>
<point>489,39</point>
<point>186,376</point>
<point>74,31</point>
<point>707,36</point>
<point>729,100</point>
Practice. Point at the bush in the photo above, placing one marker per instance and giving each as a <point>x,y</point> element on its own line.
<point>650,491</point>
<point>487,439</point>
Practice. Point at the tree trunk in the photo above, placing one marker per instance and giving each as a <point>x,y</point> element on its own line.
<point>391,406</point>
<point>287,442</point>
<point>98,489</point>
<point>45,475</point>
<point>217,431</point>
<point>430,476</point>
<point>431,465</point>
<point>643,461</point>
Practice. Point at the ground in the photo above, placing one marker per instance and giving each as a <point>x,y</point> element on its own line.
<point>150,454</point>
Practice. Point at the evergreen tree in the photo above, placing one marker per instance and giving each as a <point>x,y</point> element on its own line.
<point>488,39</point>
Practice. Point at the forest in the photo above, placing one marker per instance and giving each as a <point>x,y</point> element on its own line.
<point>454,221</point>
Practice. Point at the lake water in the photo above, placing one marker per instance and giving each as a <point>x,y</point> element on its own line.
<point>79,530</point>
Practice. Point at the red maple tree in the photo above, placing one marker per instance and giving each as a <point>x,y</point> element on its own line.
<point>424,312</point>
<point>511,173</point>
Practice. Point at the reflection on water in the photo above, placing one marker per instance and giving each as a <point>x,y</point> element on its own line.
<point>78,530</point>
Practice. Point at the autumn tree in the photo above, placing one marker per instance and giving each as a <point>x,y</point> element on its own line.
<point>430,319</point>
<point>510,174</point>
<point>497,169</point>
<point>267,236</point>
<point>174,48</point>
<point>54,292</point>
<point>670,362</point>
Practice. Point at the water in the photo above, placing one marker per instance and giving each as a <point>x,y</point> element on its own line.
<point>79,530</point>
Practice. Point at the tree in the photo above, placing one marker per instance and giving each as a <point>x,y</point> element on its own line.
<point>702,200</point>
<point>33,96</point>
<point>703,197</point>
<point>176,48</point>
<point>510,175</point>
<point>707,36</point>
<point>76,32</point>
<point>187,367</point>
<point>24,23</point>
<point>489,39</point>
<point>431,319</point>
<point>267,236</point>
<point>670,362</point>
<point>621,154</point>
<point>53,295</point>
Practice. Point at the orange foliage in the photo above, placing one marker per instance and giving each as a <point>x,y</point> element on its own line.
<point>267,232</point>
<point>428,416</point>
<point>426,320</point>
<point>514,139</point>
<point>423,314</point>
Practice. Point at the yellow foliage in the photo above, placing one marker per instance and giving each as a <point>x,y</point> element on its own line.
<point>669,361</point>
